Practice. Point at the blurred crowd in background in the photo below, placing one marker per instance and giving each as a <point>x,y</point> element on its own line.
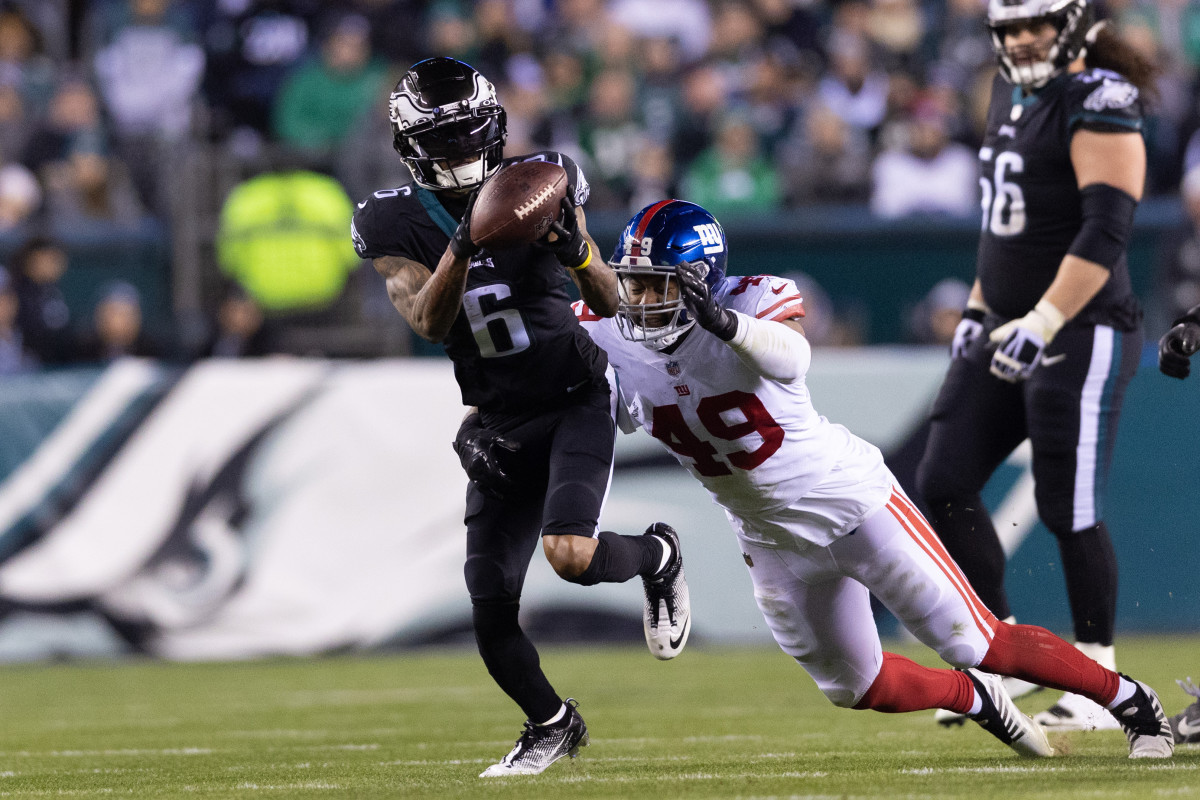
<point>743,106</point>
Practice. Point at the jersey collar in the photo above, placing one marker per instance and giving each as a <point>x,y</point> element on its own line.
<point>1020,99</point>
<point>440,216</point>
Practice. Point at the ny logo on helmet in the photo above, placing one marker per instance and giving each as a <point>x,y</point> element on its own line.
<point>710,237</point>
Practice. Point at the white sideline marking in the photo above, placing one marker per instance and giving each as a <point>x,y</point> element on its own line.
<point>436,763</point>
<point>695,776</point>
<point>1020,769</point>
<point>281,787</point>
<point>371,746</point>
<point>293,733</point>
<point>171,751</point>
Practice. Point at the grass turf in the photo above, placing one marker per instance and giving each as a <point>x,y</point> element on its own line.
<point>716,722</point>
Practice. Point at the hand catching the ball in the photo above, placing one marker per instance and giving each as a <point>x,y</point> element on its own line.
<point>461,244</point>
<point>570,245</point>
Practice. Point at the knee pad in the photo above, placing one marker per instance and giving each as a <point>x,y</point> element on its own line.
<point>494,620</point>
<point>961,655</point>
<point>842,698</point>
<point>488,581</point>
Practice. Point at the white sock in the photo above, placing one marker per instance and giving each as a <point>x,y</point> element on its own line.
<point>666,556</point>
<point>1104,654</point>
<point>976,704</point>
<point>562,712</point>
<point>1124,692</point>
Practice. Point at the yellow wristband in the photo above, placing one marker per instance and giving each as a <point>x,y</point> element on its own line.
<point>587,260</point>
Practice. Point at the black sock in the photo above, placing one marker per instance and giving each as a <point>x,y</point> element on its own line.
<point>513,661</point>
<point>1090,568</point>
<point>618,558</point>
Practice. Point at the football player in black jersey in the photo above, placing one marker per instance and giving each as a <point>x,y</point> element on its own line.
<point>538,444</point>
<point>1051,335</point>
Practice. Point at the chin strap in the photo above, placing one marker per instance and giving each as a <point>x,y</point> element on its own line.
<point>771,349</point>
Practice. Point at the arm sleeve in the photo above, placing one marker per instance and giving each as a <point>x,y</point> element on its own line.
<point>771,349</point>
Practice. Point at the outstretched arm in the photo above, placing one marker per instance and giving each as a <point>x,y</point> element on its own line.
<point>776,350</point>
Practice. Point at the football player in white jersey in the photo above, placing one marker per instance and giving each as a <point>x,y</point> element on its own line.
<point>714,367</point>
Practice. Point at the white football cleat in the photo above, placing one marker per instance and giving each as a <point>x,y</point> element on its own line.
<point>1145,723</point>
<point>667,612</point>
<point>1186,724</point>
<point>1013,687</point>
<point>1074,712</point>
<point>539,746</point>
<point>1001,718</point>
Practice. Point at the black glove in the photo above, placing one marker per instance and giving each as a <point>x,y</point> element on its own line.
<point>571,247</point>
<point>698,299</point>
<point>1176,347</point>
<point>461,244</point>
<point>481,453</point>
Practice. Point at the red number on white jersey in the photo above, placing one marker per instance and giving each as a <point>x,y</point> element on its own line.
<point>669,427</point>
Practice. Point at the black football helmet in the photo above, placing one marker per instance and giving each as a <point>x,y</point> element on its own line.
<point>447,124</point>
<point>1073,19</point>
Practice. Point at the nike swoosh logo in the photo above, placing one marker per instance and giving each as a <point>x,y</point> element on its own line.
<point>1050,361</point>
<point>687,624</point>
<point>1185,728</point>
<point>778,290</point>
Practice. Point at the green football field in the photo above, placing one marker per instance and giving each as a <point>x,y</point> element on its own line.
<point>715,722</point>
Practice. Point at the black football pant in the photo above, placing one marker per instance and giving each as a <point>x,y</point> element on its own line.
<point>563,467</point>
<point>1068,409</point>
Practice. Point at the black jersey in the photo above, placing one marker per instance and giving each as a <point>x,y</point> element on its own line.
<point>1031,202</point>
<point>516,344</point>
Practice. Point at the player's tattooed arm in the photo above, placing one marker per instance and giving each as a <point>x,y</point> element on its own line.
<point>597,282</point>
<point>428,302</point>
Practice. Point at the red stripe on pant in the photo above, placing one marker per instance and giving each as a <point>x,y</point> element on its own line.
<point>916,526</point>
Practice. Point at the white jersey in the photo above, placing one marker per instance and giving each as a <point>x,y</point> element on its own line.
<point>758,446</point>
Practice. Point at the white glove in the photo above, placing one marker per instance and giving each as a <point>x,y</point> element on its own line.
<point>968,330</point>
<point>1022,342</point>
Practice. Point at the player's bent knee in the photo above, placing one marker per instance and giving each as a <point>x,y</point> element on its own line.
<point>568,555</point>
<point>842,698</point>
<point>962,655</point>
<point>488,583</point>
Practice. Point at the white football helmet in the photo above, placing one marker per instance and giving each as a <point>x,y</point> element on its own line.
<point>1073,21</point>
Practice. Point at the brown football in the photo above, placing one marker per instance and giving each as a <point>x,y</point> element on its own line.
<point>518,204</point>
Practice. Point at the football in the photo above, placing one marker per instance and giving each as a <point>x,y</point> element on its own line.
<point>518,204</point>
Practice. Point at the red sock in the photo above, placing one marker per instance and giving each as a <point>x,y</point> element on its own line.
<point>904,685</point>
<point>1036,655</point>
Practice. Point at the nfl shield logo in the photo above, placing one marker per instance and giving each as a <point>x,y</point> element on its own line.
<point>673,368</point>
